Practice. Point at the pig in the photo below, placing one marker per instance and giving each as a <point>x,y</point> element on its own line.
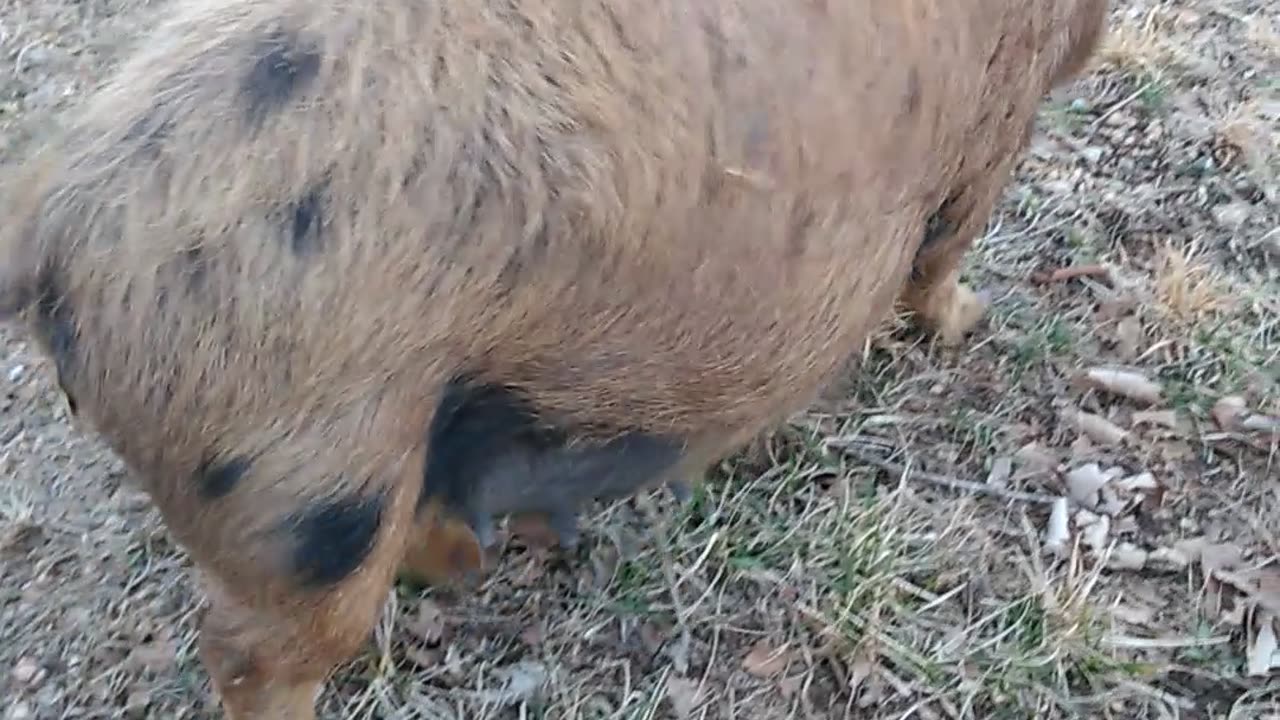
<point>341,282</point>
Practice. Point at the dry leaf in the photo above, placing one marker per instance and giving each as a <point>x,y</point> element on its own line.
<point>136,701</point>
<point>25,671</point>
<point>1137,483</point>
<point>1032,458</point>
<point>1127,556</point>
<point>788,686</point>
<point>428,624</point>
<point>1220,556</point>
<point>1174,452</point>
<point>1163,418</point>
<point>1231,413</point>
<point>1228,411</point>
<point>864,663</point>
<point>1261,587</point>
<point>423,658</point>
<point>1085,518</point>
<point>1058,531</point>
<point>1001,469</point>
<point>874,690</point>
<point>1111,503</point>
<point>1213,557</point>
<point>1168,559</point>
<point>1134,614</point>
<point>1082,448</point>
<point>1128,337</point>
<point>764,661</point>
<point>1260,423</point>
<point>685,695</point>
<point>534,568</point>
<point>532,636</point>
<point>1127,383</point>
<point>1083,484</point>
<point>1096,427</point>
<point>1094,535</point>
<point>156,656</point>
<point>1264,652</point>
<point>1115,303</point>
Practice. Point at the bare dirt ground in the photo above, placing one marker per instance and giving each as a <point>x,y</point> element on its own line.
<point>844,569</point>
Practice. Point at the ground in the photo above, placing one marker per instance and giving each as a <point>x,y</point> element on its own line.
<point>986,531</point>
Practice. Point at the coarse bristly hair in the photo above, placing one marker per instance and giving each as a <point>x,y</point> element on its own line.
<point>264,252</point>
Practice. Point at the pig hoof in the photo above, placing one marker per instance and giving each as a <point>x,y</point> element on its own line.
<point>967,311</point>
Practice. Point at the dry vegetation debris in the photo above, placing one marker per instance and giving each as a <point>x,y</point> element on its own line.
<point>1076,515</point>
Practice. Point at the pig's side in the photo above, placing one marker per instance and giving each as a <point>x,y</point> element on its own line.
<point>289,231</point>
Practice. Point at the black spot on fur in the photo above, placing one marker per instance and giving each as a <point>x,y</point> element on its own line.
<point>525,258</point>
<point>717,45</point>
<point>195,268</point>
<point>913,92</point>
<point>306,221</point>
<point>803,220</point>
<point>218,478</point>
<point>56,328</point>
<point>335,537</point>
<point>159,394</point>
<point>282,69</point>
<point>149,132</point>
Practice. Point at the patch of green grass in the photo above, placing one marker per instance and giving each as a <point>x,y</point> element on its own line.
<point>972,431</point>
<point>630,588</point>
<point>1067,117</point>
<point>1153,94</point>
<point>1218,361</point>
<point>1050,339</point>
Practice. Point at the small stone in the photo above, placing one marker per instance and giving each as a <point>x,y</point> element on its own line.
<point>1232,214</point>
<point>1081,105</point>
<point>25,671</point>
<point>15,373</point>
<point>1092,154</point>
<point>1272,246</point>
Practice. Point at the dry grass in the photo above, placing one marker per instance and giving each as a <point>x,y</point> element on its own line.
<point>804,579</point>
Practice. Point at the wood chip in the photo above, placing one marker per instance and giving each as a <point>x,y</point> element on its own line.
<point>764,660</point>
<point>1126,383</point>
<point>1096,427</point>
<point>1058,531</point>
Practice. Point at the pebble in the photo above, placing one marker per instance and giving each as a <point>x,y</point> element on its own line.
<point>15,373</point>
<point>25,671</point>
<point>1272,247</point>
<point>1232,214</point>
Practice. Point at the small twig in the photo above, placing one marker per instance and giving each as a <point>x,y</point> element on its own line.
<point>947,482</point>
<point>1068,273</point>
<point>1141,643</point>
<point>1119,106</point>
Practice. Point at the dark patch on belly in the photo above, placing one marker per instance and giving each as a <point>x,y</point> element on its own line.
<point>335,537</point>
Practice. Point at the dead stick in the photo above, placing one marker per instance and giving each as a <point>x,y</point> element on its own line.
<point>949,482</point>
<point>1068,273</point>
